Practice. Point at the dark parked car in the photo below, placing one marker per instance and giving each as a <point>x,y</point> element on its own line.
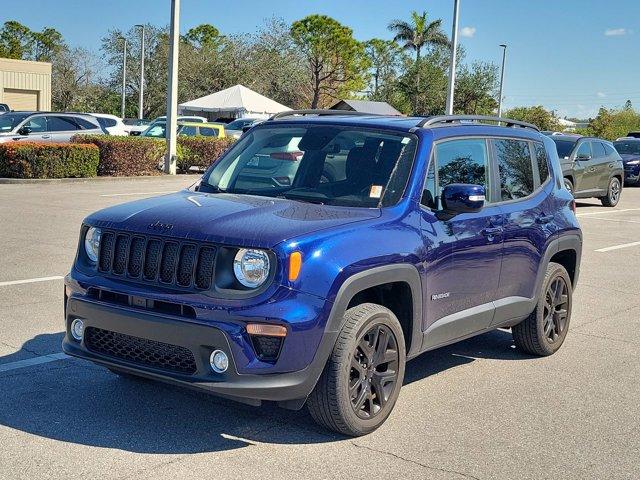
<point>629,150</point>
<point>591,168</point>
<point>4,108</point>
<point>319,292</point>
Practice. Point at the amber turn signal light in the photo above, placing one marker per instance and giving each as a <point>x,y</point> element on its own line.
<point>295,264</point>
<point>265,330</point>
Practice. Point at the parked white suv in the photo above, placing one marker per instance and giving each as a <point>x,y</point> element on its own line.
<point>46,126</point>
<point>112,124</point>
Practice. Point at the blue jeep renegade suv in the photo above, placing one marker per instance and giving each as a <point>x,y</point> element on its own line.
<point>313,288</point>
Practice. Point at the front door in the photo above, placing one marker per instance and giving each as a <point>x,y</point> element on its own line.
<point>585,174</point>
<point>464,253</point>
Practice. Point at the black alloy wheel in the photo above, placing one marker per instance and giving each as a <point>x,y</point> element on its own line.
<point>374,371</point>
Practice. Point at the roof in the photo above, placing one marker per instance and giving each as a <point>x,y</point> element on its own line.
<point>366,106</point>
<point>202,124</point>
<point>234,99</point>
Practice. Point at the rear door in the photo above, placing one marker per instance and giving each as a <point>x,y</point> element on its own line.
<point>61,128</point>
<point>600,163</point>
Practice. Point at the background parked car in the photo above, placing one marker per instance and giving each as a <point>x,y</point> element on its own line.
<point>135,126</point>
<point>46,126</point>
<point>158,129</point>
<point>591,167</point>
<point>236,128</point>
<point>4,108</point>
<point>629,150</point>
<point>163,119</point>
<point>111,124</point>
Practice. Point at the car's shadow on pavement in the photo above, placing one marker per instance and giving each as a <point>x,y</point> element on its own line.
<point>77,402</point>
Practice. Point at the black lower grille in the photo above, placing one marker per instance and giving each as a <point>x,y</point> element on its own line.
<point>169,262</point>
<point>267,348</point>
<point>140,350</point>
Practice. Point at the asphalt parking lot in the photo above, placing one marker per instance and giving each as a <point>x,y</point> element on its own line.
<point>476,410</point>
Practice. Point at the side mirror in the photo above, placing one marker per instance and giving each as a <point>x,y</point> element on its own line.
<point>25,130</point>
<point>583,157</point>
<point>462,198</point>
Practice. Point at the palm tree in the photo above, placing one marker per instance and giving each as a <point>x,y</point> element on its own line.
<point>416,35</point>
<point>419,33</point>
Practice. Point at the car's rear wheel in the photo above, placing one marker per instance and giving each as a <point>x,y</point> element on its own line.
<point>568,184</point>
<point>363,376</point>
<point>544,331</point>
<point>612,197</point>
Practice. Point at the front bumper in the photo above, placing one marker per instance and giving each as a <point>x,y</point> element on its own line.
<point>632,173</point>
<point>290,389</point>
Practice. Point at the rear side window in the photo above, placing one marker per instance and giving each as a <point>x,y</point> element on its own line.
<point>188,131</point>
<point>208,132</point>
<point>86,124</point>
<point>543,162</point>
<point>104,122</point>
<point>515,168</point>
<point>609,150</point>
<point>598,149</point>
<point>462,161</point>
<point>61,124</point>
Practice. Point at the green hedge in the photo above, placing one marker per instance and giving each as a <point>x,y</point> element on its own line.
<point>125,156</point>
<point>48,160</point>
<point>131,156</point>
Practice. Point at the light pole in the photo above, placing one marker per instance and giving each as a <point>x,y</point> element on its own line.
<point>141,98</point>
<point>454,48</point>
<point>172,97</point>
<point>124,77</point>
<point>504,58</point>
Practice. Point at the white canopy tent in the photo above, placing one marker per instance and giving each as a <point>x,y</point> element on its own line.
<point>234,102</point>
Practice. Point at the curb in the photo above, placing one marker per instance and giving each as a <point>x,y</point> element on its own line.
<point>22,181</point>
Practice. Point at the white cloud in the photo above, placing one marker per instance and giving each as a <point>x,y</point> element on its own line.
<point>615,32</point>
<point>468,32</point>
<point>601,94</point>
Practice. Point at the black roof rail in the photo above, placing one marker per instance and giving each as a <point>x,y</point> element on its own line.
<point>319,112</point>
<point>443,119</point>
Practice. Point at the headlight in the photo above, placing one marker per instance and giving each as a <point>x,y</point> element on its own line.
<point>251,267</point>
<point>92,243</point>
<point>633,162</point>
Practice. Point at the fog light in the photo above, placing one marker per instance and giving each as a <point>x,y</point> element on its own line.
<point>77,329</point>
<point>219,361</point>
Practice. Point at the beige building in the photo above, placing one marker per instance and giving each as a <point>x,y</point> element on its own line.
<point>25,85</point>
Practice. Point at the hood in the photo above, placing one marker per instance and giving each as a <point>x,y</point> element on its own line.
<point>629,156</point>
<point>240,220</point>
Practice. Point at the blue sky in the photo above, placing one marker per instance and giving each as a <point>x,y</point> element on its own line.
<point>569,55</point>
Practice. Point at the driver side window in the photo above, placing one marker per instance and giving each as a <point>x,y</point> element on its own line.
<point>37,124</point>
<point>456,161</point>
<point>584,150</point>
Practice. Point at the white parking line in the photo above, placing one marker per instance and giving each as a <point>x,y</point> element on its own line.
<point>618,247</point>
<point>30,280</point>
<point>618,220</point>
<point>132,194</point>
<point>600,212</point>
<point>54,357</point>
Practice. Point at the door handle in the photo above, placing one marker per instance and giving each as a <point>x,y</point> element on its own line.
<point>542,219</point>
<point>611,165</point>
<point>46,136</point>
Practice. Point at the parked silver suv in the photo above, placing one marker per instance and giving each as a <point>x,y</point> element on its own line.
<point>46,126</point>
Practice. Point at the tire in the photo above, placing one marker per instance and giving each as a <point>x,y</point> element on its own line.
<point>543,332</point>
<point>568,184</point>
<point>345,399</point>
<point>614,191</point>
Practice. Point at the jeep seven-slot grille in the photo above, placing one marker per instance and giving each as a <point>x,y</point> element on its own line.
<point>155,260</point>
<point>140,350</point>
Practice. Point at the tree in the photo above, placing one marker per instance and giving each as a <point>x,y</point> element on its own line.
<point>73,83</point>
<point>46,45</point>
<point>419,33</point>
<point>476,89</point>
<point>203,35</point>
<point>385,59</point>
<point>611,124</point>
<point>15,40</point>
<point>538,116</point>
<point>336,62</point>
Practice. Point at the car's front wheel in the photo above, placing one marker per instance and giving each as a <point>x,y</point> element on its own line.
<point>363,376</point>
<point>544,331</point>
<point>612,197</point>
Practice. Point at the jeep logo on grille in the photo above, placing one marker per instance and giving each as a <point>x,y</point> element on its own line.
<point>160,227</point>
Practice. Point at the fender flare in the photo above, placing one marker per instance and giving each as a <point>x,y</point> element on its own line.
<point>376,276</point>
<point>564,242</point>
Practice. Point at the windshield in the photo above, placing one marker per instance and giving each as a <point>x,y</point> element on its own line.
<point>629,147</point>
<point>9,121</point>
<point>322,164</point>
<point>239,123</point>
<point>156,130</point>
<point>564,147</point>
